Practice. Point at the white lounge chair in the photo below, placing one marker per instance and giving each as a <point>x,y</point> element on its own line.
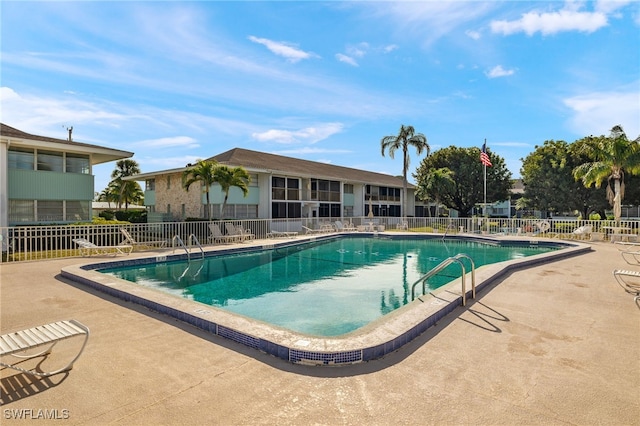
<point>629,281</point>
<point>17,343</point>
<point>582,232</point>
<point>312,231</point>
<point>128,239</point>
<point>281,234</point>
<point>242,234</point>
<point>218,237</point>
<point>631,257</point>
<point>87,248</point>
<point>342,227</point>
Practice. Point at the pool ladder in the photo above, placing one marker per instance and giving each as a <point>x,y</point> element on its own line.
<point>440,267</point>
<point>192,238</point>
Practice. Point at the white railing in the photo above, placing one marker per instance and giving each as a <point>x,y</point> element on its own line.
<point>27,243</point>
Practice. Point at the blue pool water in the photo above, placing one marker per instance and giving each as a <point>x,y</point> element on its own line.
<point>322,288</point>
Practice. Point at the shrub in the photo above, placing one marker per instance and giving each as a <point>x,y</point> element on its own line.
<point>133,216</point>
<point>107,214</point>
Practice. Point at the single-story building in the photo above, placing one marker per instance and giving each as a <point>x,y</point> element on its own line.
<point>46,180</point>
<point>280,187</point>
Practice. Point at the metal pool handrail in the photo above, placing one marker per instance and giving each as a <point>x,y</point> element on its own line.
<point>181,244</point>
<point>192,237</point>
<point>448,261</point>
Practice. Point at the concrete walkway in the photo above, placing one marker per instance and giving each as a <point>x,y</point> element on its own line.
<point>552,345</point>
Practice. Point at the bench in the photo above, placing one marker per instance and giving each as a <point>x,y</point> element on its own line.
<point>16,343</point>
<point>624,237</point>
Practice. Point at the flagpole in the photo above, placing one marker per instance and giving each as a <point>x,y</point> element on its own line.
<point>485,182</point>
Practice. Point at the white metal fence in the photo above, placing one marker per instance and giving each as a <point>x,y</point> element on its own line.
<point>28,243</point>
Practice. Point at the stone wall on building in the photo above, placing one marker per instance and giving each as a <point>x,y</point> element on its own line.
<point>171,196</point>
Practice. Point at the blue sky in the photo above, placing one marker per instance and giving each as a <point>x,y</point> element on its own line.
<point>324,81</point>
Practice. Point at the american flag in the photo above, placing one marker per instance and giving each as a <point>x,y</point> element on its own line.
<point>484,158</point>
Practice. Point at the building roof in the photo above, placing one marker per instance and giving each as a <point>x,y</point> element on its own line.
<point>99,154</point>
<point>289,166</point>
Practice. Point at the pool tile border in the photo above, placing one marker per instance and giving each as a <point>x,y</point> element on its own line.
<point>369,343</point>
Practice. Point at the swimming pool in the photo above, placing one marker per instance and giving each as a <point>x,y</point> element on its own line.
<point>321,288</point>
<point>373,340</point>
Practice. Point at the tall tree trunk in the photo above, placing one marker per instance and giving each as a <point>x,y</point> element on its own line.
<point>617,201</point>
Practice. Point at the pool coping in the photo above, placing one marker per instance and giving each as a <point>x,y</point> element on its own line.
<point>370,342</point>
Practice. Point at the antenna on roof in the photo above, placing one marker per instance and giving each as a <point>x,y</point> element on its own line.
<point>70,130</point>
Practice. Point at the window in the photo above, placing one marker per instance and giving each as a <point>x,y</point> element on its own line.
<point>76,163</point>
<point>294,210</point>
<point>348,188</point>
<point>168,182</point>
<point>278,210</point>
<point>77,210</point>
<point>253,179</point>
<point>50,161</point>
<point>329,210</point>
<point>285,188</point>
<point>50,210</point>
<point>293,189</point>
<point>21,211</point>
<point>246,211</point>
<point>286,210</point>
<point>150,185</point>
<point>278,188</point>
<point>21,159</point>
<point>325,190</point>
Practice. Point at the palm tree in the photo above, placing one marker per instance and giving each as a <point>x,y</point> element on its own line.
<point>612,157</point>
<point>109,194</point>
<point>227,177</point>
<point>405,138</point>
<point>204,172</point>
<point>125,168</point>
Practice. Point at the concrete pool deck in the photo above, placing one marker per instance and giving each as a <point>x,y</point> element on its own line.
<point>554,344</point>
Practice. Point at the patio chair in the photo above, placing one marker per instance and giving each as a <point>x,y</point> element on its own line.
<point>242,234</point>
<point>281,234</point>
<point>130,240</point>
<point>582,232</point>
<point>17,343</point>
<point>87,248</point>
<point>218,237</point>
<point>312,231</point>
<point>342,227</point>
<point>403,225</point>
<point>631,257</point>
<point>629,281</point>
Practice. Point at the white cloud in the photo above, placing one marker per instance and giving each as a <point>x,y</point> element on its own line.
<point>358,50</point>
<point>567,19</point>
<point>428,20</point>
<point>596,113</point>
<point>309,135</point>
<point>286,50</point>
<point>473,34</point>
<point>498,71</point>
<point>389,48</point>
<point>609,6</point>
<point>184,142</point>
<point>41,115</point>
<point>346,59</point>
